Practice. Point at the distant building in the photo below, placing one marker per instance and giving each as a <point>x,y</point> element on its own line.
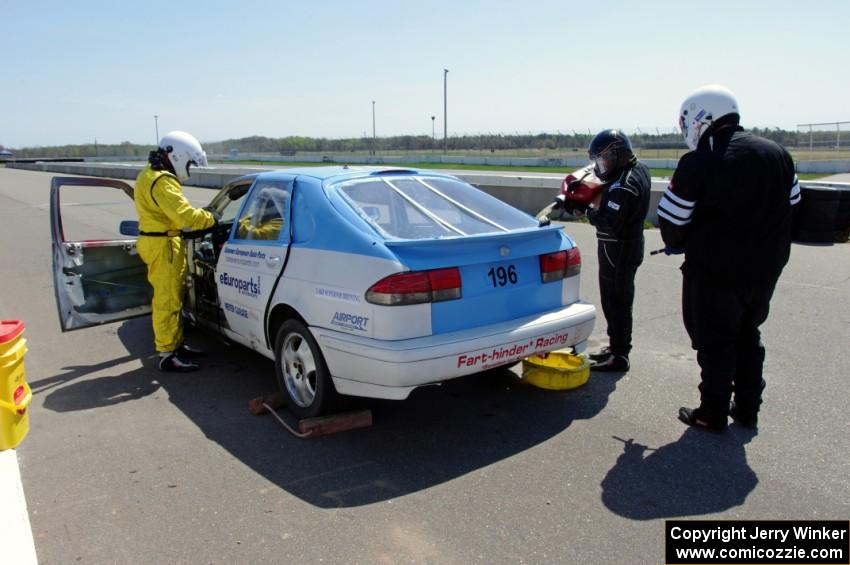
<point>6,153</point>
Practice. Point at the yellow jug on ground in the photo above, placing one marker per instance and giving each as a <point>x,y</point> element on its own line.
<point>558,370</point>
<point>15,393</point>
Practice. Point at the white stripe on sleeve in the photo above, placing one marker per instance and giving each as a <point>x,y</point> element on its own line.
<point>795,191</point>
<point>679,200</point>
<point>671,208</point>
<point>672,219</point>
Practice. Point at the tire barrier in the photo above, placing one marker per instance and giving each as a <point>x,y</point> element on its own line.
<point>817,216</point>
<point>842,220</point>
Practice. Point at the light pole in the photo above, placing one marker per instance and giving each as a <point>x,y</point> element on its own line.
<point>156,127</point>
<point>433,131</point>
<point>373,127</point>
<point>445,113</point>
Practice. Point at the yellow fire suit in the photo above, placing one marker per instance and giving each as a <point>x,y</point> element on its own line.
<point>163,212</point>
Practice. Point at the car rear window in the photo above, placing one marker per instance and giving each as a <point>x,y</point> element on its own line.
<point>429,207</point>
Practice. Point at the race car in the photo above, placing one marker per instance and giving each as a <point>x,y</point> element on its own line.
<point>355,281</point>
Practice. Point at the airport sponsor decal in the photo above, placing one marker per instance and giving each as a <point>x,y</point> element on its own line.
<point>238,310</point>
<point>246,287</point>
<point>502,355</point>
<point>337,295</point>
<point>350,321</point>
<point>243,257</point>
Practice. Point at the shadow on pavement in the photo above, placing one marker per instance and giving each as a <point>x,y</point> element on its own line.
<point>75,372</point>
<point>700,473</point>
<point>437,434</point>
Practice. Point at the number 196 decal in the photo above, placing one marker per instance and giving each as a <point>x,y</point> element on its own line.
<point>500,276</point>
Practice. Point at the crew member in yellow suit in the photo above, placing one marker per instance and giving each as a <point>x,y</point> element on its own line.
<point>163,212</point>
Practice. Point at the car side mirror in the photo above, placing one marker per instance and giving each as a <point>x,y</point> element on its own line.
<point>129,227</point>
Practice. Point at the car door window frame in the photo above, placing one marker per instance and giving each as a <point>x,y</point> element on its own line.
<point>255,193</point>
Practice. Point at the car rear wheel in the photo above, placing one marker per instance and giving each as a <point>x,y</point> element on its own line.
<point>302,373</point>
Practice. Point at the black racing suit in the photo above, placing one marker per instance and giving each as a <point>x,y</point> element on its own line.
<point>619,232</point>
<point>730,208</point>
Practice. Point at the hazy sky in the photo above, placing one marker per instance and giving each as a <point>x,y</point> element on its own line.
<point>72,72</point>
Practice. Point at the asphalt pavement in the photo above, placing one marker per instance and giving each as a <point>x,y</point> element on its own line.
<point>124,464</point>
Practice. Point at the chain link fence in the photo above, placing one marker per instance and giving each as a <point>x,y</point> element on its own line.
<point>827,140</point>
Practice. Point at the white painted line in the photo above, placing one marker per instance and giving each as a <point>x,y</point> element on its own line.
<point>15,530</point>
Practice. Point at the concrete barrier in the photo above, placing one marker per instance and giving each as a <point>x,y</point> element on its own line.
<point>831,166</point>
<point>528,192</point>
<point>824,167</point>
<point>571,161</point>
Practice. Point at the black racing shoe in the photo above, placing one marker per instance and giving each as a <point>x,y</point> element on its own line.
<point>698,418</point>
<point>187,352</point>
<point>610,363</point>
<point>746,419</point>
<point>173,364</point>
<point>600,355</point>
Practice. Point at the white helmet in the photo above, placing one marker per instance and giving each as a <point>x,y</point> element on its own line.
<point>702,108</point>
<point>183,150</point>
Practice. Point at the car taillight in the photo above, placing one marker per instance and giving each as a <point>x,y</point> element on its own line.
<point>553,266</point>
<point>556,266</point>
<point>573,262</point>
<point>416,287</point>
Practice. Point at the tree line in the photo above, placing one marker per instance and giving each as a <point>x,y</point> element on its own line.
<point>293,145</point>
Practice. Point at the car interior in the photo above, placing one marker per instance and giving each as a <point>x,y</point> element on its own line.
<point>202,299</point>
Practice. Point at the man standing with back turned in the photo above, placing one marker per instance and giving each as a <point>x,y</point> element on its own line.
<point>729,208</point>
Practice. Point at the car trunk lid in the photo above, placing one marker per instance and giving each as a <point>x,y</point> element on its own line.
<point>500,275</point>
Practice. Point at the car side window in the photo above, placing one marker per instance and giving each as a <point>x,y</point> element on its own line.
<point>232,204</point>
<point>264,214</point>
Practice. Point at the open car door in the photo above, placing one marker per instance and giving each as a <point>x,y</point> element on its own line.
<point>96,279</point>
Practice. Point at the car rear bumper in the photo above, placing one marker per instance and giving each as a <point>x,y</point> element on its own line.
<point>392,369</point>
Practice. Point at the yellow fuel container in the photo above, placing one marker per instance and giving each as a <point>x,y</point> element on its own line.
<point>558,370</point>
<point>15,393</point>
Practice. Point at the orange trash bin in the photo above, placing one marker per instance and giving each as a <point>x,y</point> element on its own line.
<point>15,393</point>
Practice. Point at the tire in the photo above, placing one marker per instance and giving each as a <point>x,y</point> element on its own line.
<point>302,373</point>
<point>817,216</point>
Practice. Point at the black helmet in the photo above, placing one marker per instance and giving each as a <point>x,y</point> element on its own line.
<point>611,152</point>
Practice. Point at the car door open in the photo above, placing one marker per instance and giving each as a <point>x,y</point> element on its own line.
<point>96,279</point>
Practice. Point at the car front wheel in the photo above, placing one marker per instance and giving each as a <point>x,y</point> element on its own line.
<point>301,371</point>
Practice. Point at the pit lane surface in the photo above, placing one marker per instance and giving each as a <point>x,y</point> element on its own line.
<point>124,464</point>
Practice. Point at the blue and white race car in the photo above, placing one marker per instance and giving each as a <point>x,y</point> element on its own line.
<point>354,281</point>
